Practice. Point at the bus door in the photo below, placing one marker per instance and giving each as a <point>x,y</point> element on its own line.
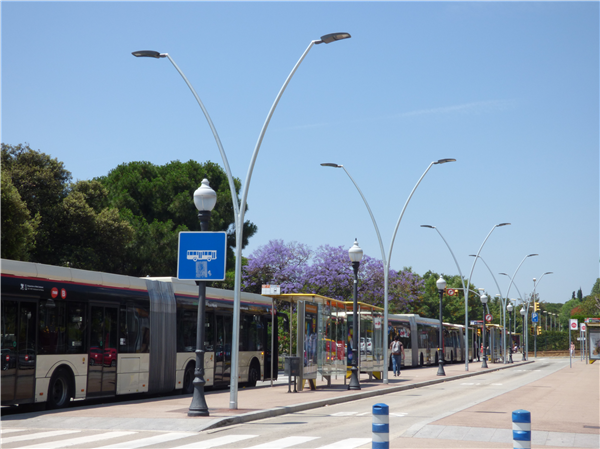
<point>19,319</point>
<point>102,371</point>
<point>223,348</point>
<point>272,344</point>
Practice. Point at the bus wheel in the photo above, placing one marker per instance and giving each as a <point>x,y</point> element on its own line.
<point>253,374</point>
<point>59,390</point>
<point>188,379</point>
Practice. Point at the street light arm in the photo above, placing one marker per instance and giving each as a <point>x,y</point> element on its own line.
<point>493,277</point>
<point>234,196</point>
<point>515,273</point>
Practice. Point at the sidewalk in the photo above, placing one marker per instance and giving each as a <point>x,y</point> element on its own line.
<point>170,413</point>
<point>564,407</point>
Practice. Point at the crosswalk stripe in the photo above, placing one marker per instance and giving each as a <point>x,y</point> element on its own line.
<point>349,443</point>
<point>9,430</point>
<point>76,441</point>
<point>37,436</point>
<point>283,443</point>
<point>149,441</point>
<point>215,442</point>
<point>344,414</point>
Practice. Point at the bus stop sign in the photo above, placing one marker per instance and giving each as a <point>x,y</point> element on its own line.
<point>202,256</point>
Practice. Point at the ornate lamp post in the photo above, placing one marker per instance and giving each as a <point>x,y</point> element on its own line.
<point>205,199</point>
<point>509,307</point>
<point>484,300</point>
<point>356,255</point>
<point>523,312</point>
<point>441,285</point>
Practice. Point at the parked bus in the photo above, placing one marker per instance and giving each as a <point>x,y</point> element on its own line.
<point>420,338</point>
<point>69,333</point>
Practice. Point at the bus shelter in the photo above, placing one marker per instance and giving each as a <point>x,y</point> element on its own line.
<point>323,335</point>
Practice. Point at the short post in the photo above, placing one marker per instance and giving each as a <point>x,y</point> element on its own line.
<point>381,426</point>
<point>521,429</point>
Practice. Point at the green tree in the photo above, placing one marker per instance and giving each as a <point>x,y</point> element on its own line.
<point>596,288</point>
<point>18,228</point>
<point>579,294</point>
<point>158,202</point>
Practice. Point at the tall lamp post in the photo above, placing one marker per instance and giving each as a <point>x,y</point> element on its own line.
<point>356,255</point>
<point>239,207</point>
<point>386,260</point>
<point>205,199</point>
<point>535,283</point>
<point>441,285</point>
<point>509,307</point>
<point>466,288</point>
<point>523,312</point>
<point>484,300</point>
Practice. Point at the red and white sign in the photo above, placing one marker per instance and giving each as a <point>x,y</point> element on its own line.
<point>583,327</point>
<point>451,292</point>
<point>63,293</point>
<point>488,317</point>
<point>573,324</point>
<point>54,292</point>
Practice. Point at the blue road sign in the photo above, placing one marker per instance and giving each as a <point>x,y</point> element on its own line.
<point>534,317</point>
<point>202,256</point>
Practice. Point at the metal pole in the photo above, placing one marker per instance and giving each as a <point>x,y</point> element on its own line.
<point>484,363</point>
<point>273,339</point>
<point>441,340</point>
<point>510,360</point>
<point>354,382</point>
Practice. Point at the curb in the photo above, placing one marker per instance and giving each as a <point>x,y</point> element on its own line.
<point>278,411</point>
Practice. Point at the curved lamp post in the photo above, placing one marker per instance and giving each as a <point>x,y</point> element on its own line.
<point>205,199</point>
<point>240,206</point>
<point>484,300</point>
<point>386,260</point>
<point>356,255</point>
<point>441,285</point>
<point>509,307</point>
<point>465,288</point>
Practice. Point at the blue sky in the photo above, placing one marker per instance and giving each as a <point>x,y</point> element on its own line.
<point>509,89</point>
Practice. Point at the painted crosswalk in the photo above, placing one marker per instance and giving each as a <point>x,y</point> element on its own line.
<point>57,439</point>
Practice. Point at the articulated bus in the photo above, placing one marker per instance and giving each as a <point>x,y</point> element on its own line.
<point>420,338</point>
<point>71,334</point>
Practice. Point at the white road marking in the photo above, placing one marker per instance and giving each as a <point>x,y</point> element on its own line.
<point>284,442</point>
<point>344,414</point>
<point>163,438</point>
<point>216,442</point>
<point>37,436</point>
<point>78,441</point>
<point>9,430</point>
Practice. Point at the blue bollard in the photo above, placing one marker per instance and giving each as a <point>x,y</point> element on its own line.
<point>381,426</point>
<point>521,429</point>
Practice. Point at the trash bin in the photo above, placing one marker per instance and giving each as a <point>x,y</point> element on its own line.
<point>292,366</point>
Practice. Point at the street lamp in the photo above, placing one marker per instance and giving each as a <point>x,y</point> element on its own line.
<point>523,312</point>
<point>509,307</point>
<point>441,285</point>
<point>205,199</point>
<point>484,300</point>
<point>465,288</point>
<point>534,298</point>
<point>239,207</point>
<point>356,255</point>
<point>386,260</point>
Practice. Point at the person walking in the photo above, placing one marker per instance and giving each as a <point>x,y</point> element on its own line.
<point>397,350</point>
<point>572,349</point>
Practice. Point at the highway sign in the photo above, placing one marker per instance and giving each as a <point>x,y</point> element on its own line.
<point>488,317</point>
<point>202,256</point>
<point>534,317</point>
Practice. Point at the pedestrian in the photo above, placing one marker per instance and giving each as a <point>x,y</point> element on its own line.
<point>397,350</point>
<point>572,349</point>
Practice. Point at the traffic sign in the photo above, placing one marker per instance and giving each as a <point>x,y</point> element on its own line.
<point>202,256</point>
<point>452,292</point>
<point>488,317</point>
<point>583,327</point>
<point>573,324</point>
<point>534,317</point>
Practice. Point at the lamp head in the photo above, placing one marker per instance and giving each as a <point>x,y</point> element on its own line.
<point>484,299</point>
<point>355,252</point>
<point>329,38</point>
<point>531,255</point>
<point>509,307</point>
<point>428,226</point>
<point>205,198</point>
<point>148,54</point>
<point>330,164</point>
<point>502,224</point>
<point>441,283</point>
<point>443,161</point>
<point>523,311</point>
